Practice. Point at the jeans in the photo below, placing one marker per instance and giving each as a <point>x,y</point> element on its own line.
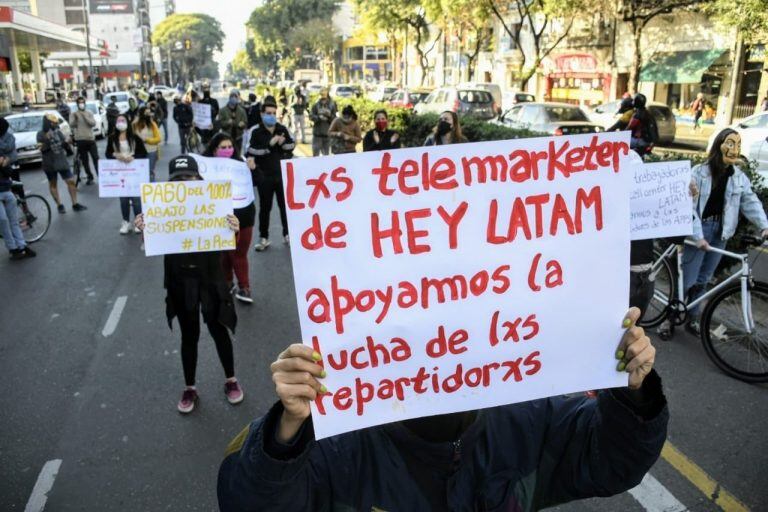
<point>183,134</point>
<point>125,207</point>
<point>86,148</point>
<point>9,222</point>
<point>699,266</point>
<point>164,124</point>
<point>152,155</point>
<point>269,187</point>
<point>301,125</point>
<point>321,145</point>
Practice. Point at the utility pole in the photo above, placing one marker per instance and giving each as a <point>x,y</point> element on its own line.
<point>86,10</point>
<point>738,63</point>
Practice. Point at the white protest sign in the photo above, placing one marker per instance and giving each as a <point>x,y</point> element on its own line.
<point>187,216</point>
<point>661,203</point>
<point>118,179</point>
<point>201,113</point>
<point>227,169</point>
<point>448,278</point>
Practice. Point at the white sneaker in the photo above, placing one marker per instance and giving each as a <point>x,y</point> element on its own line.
<point>136,230</point>
<point>287,240</point>
<point>263,244</point>
<point>125,227</point>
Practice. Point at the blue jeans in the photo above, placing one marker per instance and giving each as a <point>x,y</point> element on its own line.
<point>152,155</point>
<point>9,222</point>
<point>698,265</point>
<point>164,124</point>
<point>125,207</point>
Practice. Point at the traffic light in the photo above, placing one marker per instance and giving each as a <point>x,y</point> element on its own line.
<point>187,44</point>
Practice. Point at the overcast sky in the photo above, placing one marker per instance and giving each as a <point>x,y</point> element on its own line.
<point>231,14</point>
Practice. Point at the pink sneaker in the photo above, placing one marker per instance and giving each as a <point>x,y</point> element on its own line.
<point>234,392</point>
<point>188,400</point>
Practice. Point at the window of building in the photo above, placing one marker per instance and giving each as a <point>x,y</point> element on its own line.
<point>376,52</point>
<point>355,53</point>
<point>73,3</point>
<point>74,17</point>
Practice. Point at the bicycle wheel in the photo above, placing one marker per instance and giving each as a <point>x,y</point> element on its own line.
<point>34,217</point>
<point>663,291</point>
<point>738,353</point>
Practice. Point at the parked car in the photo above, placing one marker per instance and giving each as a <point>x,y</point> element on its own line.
<point>382,92</point>
<point>167,92</point>
<point>343,91</point>
<point>511,98</point>
<point>606,114</point>
<point>549,118</point>
<point>408,98</point>
<point>469,102</point>
<point>25,127</point>
<point>314,87</point>
<point>494,89</point>
<point>99,114</point>
<point>754,140</point>
<point>121,98</point>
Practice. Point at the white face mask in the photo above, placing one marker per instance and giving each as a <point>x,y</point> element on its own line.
<point>121,126</point>
<point>80,106</point>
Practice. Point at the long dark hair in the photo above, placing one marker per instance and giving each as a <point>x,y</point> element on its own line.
<point>210,149</point>
<point>456,134</point>
<point>114,137</point>
<point>715,158</point>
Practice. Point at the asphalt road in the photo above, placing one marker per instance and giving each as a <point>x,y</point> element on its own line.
<point>106,405</point>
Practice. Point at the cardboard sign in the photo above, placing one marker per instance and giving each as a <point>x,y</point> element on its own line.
<point>118,179</point>
<point>661,203</point>
<point>227,169</point>
<point>187,216</point>
<point>202,115</point>
<point>441,279</point>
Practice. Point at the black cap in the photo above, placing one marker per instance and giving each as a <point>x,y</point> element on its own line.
<point>182,165</point>
<point>269,101</point>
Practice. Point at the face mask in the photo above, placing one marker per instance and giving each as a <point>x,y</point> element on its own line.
<point>382,125</point>
<point>121,126</point>
<point>206,94</point>
<point>731,149</point>
<point>232,102</point>
<point>225,152</point>
<point>269,119</point>
<point>81,106</point>
<point>443,127</point>
<point>346,119</point>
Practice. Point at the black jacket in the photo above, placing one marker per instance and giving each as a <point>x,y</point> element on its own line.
<point>163,104</point>
<point>385,138</point>
<point>518,457</point>
<point>268,157</point>
<point>182,114</point>
<point>213,103</point>
<point>254,114</point>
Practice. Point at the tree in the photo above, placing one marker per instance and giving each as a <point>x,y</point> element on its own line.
<point>638,13</point>
<point>192,38</point>
<point>241,67</point>
<point>403,16</point>
<point>540,17</point>
<point>750,17</point>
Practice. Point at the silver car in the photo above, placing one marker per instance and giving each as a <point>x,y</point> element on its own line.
<point>549,118</point>
<point>25,127</point>
<point>605,115</point>
<point>465,102</point>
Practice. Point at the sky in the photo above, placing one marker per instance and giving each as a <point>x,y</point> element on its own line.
<point>232,14</point>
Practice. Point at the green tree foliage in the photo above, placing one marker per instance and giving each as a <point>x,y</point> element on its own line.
<point>203,33</point>
<point>241,67</point>
<point>750,17</point>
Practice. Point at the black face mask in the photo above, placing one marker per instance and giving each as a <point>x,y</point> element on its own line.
<point>206,94</point>
<point>443,127</point>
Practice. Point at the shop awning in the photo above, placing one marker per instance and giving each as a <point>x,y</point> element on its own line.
<point>679,67</point>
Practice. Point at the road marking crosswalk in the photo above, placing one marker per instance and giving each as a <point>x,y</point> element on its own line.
<point>654,497</point>
<point>114,316</point>
<point>43,486</point>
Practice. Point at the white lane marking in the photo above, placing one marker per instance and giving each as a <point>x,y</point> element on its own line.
<point>43,486</point>
<point>114,316</point>
<point>654,497</point>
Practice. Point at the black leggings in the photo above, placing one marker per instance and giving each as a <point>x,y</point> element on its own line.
<point>189,323</point>
<point>269,187</point>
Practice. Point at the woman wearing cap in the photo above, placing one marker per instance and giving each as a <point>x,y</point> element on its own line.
<point>235,262</point>
<point>195,284</point>
<point>345,132</point>
<point>124,145</point>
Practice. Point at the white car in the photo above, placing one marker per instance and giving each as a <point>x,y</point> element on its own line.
<point>99,115</point>
<point>25,127</point>
<point>382,92</point>
<point>121,98</point>
<point>167,92</point>
<point>754,139</point>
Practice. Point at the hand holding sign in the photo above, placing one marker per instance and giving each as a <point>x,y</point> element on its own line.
<point>636,355</point>
<point>295,374</point>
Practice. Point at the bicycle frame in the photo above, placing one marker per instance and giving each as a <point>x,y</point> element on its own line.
<point>743,275</point>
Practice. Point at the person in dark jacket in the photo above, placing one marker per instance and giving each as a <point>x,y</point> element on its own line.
<point>133,109</point>
<point>112,112</point>
<point>62,107</point>
<point>254,111</point>
<point>195,284</point>
<point>124,145</point>
<point>206,134</point>
<point>299,117</point>
<point>322,114</point>
<point>54,148</point>
<point>625,113</point>
<point>162,104</point>
<point>182,114</point>
<point>519,457</point>
<point>270,143</point>
<point>643,127</point>
<point>9,212</point>
<point>381,137</point>
<point>235,263</point>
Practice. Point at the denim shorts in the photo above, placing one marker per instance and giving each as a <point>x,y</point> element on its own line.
<point>65,174</point>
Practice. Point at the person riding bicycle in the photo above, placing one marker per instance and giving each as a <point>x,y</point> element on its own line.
<point>520,457</point>
<point>724,193</point>
<point>9,213</point>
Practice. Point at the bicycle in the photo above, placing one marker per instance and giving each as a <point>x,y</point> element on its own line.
<point>734,323</point>
<point>34,213</point>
